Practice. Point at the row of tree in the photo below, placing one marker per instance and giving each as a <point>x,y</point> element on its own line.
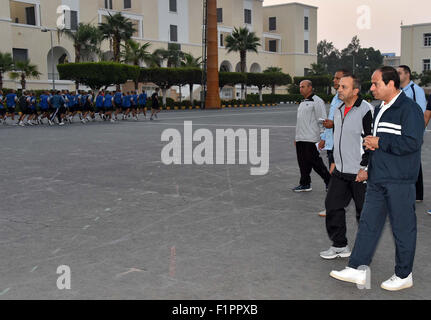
<point>97,75</point>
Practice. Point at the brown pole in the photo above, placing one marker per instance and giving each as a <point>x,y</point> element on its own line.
<point>213,96</point>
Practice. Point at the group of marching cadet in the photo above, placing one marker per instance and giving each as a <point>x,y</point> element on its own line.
<point>63,106</point>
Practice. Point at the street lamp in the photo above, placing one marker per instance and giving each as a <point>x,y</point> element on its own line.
<point>43,29</point>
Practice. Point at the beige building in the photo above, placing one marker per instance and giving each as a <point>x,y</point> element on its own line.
<point>416,47</point>
<point>288,33</point>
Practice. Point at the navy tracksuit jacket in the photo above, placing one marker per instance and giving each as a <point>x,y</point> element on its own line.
<point>392,173</point>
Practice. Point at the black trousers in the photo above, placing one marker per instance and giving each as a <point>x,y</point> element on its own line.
<point>420,185</point>
<point>309,158</point>
<point>342,188</point>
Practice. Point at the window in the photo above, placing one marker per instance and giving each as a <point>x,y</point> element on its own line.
<point>307,71</point>
<point>272,23</point>
<point>219,15</point>
<point>305,23</point>
<point>127,4</point>
<point>247,16</point>
<point>173,5</point>
<point>30,16</point>
<point>174,33</point>
<point>273,45</point>
<point>427,39</point>
<point>221,40</point>
<point>73,20</point>
<point>305,46</point>
<point>427,64</point>
<point>19,54</point>
<point>108,4</point>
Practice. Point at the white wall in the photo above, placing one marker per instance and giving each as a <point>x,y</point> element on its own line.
<point>179,18</point>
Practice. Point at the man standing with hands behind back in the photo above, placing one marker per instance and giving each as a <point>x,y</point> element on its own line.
<point>392,173</point>
<point>308,131</point>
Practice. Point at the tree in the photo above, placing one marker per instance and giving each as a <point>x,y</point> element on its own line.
<point>135,53</point>
<point>318,69</point>
<point>173,55</point>
<point>272,69</point>
<point>425,78</point>
<point>86,39</point>
<point>98,74</point>
<point>162,77</point>
<point>194,63</point>
<point>242,40</point>
<point>25,70</point>
<point>117,28</point>
<point>6,65</point>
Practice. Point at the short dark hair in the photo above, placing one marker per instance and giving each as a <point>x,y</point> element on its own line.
<point>406,69</point>
<point>345,72</point>
<point>390,74</point>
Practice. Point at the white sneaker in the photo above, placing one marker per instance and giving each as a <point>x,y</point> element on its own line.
<point>61,123</point>
<point>21,124</point>
<point>333,253</point>
<point>83,120</point>
<point>50,122</point>
<point>395,283</point>
<point>350,275</point>
<point>322,213</point>
<point>112,120</point>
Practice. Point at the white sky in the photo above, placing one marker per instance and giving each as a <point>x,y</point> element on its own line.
<point>337,20</point>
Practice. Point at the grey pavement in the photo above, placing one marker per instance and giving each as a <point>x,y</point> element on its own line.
<point>97,198</point>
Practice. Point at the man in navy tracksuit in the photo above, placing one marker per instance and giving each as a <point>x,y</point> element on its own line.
<point>392,173</point>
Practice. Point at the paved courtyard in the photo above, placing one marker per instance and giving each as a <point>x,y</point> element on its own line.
<point>98,199</point>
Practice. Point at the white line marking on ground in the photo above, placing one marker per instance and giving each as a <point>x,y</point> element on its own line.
<point>86,227</point>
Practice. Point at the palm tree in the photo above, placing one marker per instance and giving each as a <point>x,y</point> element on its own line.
<point>6,65</point>
<point>86,38</point>
<point>25,70</point>
<point>191,62</point>
<point>134,53</point>
<point>242,40</point>
<point>117,28</point>
<point>173,55</point>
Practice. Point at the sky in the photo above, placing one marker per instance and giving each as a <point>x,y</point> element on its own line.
<point>375,22</point>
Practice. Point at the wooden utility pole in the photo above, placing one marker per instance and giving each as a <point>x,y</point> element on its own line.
<point>212,100</point>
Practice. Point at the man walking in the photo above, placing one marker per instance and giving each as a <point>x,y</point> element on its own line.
<point>327,137</point>
<point>413,91</point>
<point>311,112</point>
<point>392,172</point>
<point>352,120</point>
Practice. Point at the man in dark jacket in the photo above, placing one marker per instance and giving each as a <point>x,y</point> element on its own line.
<point>392,173</point>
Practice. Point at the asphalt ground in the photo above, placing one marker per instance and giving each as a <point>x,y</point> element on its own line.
<point>98,199</point>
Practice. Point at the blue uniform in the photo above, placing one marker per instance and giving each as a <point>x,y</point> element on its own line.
<point>118,99</point>
<point>142,99</point>
<point>126,101</point>
<point>32,104</point>
<point>107,103</point>
<point>10,100</point>
<point>44,102</point>
<point>99,101</point>
<point>57,101</point>
<point>135,100</point>
<point>413,91</point>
